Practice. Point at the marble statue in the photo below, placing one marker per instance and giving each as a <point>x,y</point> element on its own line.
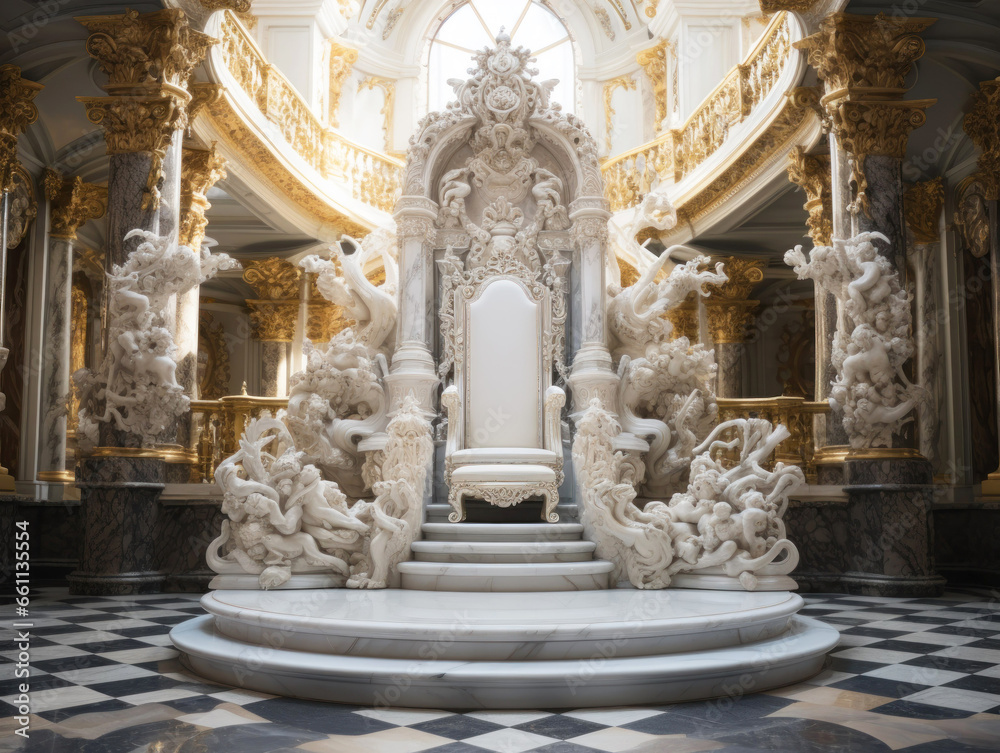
<point>136,387</point>
<point>873,339</point>
<point>665,390</point>
<point>727,524</point>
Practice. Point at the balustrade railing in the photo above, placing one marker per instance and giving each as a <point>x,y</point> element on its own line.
<point>372,177</point>
<point>219,424</point>
<point>676,153</point>
<point>794,412</point>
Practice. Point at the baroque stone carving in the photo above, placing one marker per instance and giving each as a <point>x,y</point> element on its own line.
<point>981,125</point>
<point>135,388</point>
<point>622,82</point>
<point>284,518</point>
<point>727,523</point>
<point>922,204</point>
<point>200,170</point>
<point>873,338</point>
<point>23,207</point>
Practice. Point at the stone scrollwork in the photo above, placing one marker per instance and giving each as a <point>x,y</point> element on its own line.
<point>17,112</point>
<point>135,387</point>
<point>727,524</point>
<point>873,338</point>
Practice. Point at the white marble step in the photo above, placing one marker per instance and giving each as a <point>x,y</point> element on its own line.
<point>392,623</point>
<point>493,578</point>
<point>503,551</point>
<point>520,514</point>
<point>502,531</point>
<point>603,680</point>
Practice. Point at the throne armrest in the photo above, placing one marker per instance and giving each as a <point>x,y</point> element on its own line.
<point>451,401</point>
<point>555,399</point>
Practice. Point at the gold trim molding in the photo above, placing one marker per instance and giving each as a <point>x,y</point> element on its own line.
<point>17,112</point>
<point>922,204</point>
<point>811,173</point>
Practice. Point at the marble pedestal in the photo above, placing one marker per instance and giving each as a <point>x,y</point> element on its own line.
<point>889,509</point>
<point>120,498</point>
<point>565,649</point>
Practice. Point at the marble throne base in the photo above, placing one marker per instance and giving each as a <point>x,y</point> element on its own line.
<point>503,650</point>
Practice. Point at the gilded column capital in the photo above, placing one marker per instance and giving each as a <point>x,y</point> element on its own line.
<point>922,204</point>
<point>202,95</point>
<point>200,170</point>
<point>273,279</point>
<point>811,173</point>
<point>865,55</point>
<point>729,320</point>
<point>982,125</point>
<point>729,310</point>
<point>139,124</point>
<point>72,203</point>
<point>342,59</point>
<point>140,50</point>
<point>684,317</point>
<point>17,112</point>
<point>273,321</point>
<point>743,275</point>
<point>654,62</point>
<point>324,320</point>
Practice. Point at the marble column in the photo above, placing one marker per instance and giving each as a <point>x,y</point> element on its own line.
<point>817,175</point>
<point>730,316</point>
<point>863,62</point>
<point>591,374</point>
<point>198,170</point>
<point>273,316</point>
<point>412,371</point>
<point>71,203</point>
<point>120,480</point>
<point>17,112</point>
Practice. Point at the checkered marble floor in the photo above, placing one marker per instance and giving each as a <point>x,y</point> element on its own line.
<point>920,675</point>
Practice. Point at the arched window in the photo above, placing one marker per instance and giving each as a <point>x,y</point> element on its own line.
<point>477,23</point>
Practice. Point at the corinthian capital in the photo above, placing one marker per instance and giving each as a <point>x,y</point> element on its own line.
<point>811,173</point>
<point>17,112</point>
<point>139,50</point>
<point>865,54</point>
<point>273,279</point>
<point>72,203</point>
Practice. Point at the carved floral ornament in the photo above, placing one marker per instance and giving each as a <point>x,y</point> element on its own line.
<point>72,203</point>
<point>654,62</point>
<point>200,170</point>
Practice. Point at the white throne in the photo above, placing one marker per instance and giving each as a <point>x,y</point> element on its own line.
<point>504,439</point>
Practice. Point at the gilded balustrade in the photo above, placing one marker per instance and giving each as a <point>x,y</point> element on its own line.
<point>219,425</point>
<point>676,153</point>
<point>794,412</point>
<point>372,178</point>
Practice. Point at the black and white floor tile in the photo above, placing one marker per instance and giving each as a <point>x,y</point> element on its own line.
<point>920,675</point>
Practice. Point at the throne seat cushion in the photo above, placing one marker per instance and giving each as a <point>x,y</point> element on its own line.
<point>504,456</point>
<point>503,474</point>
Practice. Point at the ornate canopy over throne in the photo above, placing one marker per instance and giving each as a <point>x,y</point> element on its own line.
<point>498,170</point>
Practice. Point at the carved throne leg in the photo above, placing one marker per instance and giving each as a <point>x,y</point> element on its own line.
<point>551,497</point>
<point>456,498</point>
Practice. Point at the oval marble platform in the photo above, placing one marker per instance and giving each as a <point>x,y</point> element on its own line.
<point>499,626</point>
<point>551,650</point>
<point>505,577</point>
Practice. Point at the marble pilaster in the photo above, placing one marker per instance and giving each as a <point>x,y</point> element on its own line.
<point>71,203</point>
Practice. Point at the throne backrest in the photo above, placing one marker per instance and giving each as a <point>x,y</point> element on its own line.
<point>502,369</point>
